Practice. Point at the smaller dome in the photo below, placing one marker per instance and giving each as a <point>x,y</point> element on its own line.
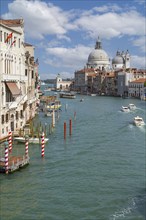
<point>118,60</point>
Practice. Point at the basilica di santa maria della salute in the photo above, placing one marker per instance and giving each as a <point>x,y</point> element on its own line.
<point>114,77</point>
<point>98,59</point>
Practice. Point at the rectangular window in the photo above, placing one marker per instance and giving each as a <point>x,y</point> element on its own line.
<point>17,115</point>
<point>21,114</point>
<point>7,117</point>
<point>1,36</point>
<point>5,36</point>
<point>25,72</point>
<point>32,74</point>
<point>3,119</point>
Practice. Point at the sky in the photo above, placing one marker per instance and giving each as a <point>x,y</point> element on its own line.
<point>64,32</point>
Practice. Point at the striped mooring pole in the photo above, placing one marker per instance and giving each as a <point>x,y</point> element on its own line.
<point>6,158</point>
<point>43,144</point>
<point>26,146</point>
<point>10,141</point>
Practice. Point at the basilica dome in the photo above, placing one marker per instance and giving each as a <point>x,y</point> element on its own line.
<point>98,58</point>
<point>118,59</point>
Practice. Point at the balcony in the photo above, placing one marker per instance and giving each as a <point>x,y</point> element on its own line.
<point>7,77</point>
<point>11,105</point>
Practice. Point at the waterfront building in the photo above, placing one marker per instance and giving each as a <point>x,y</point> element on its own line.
<point>18,78</point>
<point>123,77</point>
<point>101,77</point>
<point>138,73</point>
<point>62,85</point>
<point>137,88</point>
<point>81,79</point>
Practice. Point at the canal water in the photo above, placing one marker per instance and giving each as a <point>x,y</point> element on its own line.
<point>97,173</point>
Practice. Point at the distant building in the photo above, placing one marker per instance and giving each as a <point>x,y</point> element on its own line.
<point>81,83</point>
<point>101,77</point>
<point>61,84</point>
<point>137,88</point>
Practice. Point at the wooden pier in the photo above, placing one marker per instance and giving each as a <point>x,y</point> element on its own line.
<point>15,163</point>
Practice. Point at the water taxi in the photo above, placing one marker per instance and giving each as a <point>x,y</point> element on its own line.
<point>132,106</point>
<point>125,109</point>
<point>138,121</point>
<point>67,95</point>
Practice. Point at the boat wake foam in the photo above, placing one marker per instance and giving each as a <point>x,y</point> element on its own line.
<point>123,213</point>
<point>136,204</point>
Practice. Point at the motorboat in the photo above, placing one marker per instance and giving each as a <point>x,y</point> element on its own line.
<point>125,109</point>
<point>132,106</point>
<point>93,94</point>
<point>56,105</point>
<point>32,140</point>
<point>49,113</point>
<point>138,121</point>
<point>68,95</point>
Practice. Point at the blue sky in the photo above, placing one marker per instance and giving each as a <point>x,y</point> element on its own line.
<point>64,32</point>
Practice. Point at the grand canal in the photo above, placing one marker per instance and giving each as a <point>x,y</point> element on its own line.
<point>97,173</point>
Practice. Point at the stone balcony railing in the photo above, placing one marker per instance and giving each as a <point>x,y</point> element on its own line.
<point>7,77</point>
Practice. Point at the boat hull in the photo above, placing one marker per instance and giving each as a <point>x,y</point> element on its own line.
<point>31,140</point>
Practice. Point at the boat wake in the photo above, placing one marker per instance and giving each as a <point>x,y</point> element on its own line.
<point>123,213</point>
<point>136,205</point>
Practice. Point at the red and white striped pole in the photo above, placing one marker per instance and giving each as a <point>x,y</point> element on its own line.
<point>6,158</point>
<point>10,141</point>
<point>43,144</point>
<point>26,147</point>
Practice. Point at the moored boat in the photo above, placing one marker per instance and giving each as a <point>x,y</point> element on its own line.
<point>54,105</point>
<point>30,140</point>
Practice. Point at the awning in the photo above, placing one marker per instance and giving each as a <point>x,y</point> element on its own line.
<point>13,88</point>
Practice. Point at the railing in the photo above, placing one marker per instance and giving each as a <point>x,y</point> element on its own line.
<point>8,77</point>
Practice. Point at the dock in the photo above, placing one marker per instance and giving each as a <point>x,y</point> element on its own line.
<point>15,163</point>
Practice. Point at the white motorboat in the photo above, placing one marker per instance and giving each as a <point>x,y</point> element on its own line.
<point>93,94</point>
<point>132,106</point>
<point>125,109</point>
<point>30,140</point>
<point>138,121</point>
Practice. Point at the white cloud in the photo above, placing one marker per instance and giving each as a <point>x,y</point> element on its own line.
<point>40,18</point>
<point>112,24</point>
<point>138,62</point>
<point>68,57</point>
<point>141,43</point>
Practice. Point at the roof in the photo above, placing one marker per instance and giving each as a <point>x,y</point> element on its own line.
<point>28,45</point>
<point>142,80</point>
<point>12,22</point>
<point>86,70</point>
